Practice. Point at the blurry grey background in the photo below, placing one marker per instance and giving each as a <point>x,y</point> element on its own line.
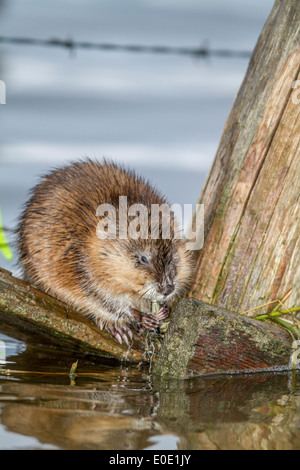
<point>162,114</point>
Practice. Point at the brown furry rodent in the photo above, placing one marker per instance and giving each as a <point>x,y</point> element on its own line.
<point>113,281</point>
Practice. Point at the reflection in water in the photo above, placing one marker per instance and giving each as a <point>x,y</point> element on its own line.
<point>120,408</point>
<point>251,411</point>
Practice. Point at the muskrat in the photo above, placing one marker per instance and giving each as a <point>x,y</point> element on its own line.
<point>111,280</point>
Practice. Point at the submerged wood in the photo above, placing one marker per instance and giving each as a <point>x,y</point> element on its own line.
<point>203,339</point>
<point>29,311</point>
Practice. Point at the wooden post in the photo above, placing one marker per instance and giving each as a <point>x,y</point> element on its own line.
<point>203,339</point>
<point>252,220</point>
<point>251,197</point>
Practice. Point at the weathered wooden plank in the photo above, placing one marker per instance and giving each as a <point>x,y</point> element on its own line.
<point>29,310</point>
<point>203,339</point>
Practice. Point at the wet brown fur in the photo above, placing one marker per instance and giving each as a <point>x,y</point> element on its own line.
<point>61,253</point>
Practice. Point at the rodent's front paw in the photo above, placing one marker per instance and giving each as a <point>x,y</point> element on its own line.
<point>121,332</point>
<point>149,321</point>
<point>118,332</point>
<point>163,313</point>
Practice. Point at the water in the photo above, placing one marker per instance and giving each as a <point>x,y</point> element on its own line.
<point>121,408</point>
<point>163,115</point>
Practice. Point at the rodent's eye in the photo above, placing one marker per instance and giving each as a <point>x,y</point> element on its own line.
<point>144,260</point>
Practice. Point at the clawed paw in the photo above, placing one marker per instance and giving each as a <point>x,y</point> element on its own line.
<point>143,321</point>
<point>120,333</point>
<point>163,313</point>
<point>151,322</point>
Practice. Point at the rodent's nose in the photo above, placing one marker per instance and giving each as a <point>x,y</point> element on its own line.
<point>168,289</point>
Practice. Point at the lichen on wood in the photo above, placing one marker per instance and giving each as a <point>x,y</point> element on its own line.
<point>200,338</point>
<point>203,339</point>
<point>28,310</point>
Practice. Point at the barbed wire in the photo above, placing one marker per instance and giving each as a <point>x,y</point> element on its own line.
<point>202,51</point>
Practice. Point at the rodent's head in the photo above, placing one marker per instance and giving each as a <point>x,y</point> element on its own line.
<point>163,267</point>
<point>145,270</point>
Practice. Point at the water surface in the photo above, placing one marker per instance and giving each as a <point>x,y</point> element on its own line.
<point>120,407</point>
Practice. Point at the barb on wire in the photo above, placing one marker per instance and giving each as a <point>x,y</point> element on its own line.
<point>202,51</point>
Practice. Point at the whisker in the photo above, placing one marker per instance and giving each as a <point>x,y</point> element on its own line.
<point>145,293</point>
